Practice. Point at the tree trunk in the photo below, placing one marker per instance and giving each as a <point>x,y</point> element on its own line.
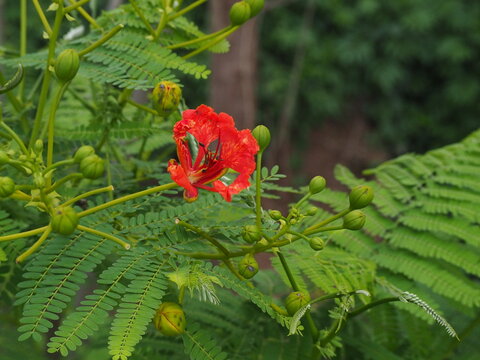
<point>233,79</point>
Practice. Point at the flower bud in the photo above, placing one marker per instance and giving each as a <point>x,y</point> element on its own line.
<point>64,220</point>
<point>170,319</point>
<point>38,147</point>
<point>4,158</point>
<point>251,234</point>
<point>248,266</point>
<point>312,210</point>
<point>38,180</point>
<point>255,6</point>
<point>295,301</point>
<point>317,184</point>
<point>7,186</point>
<point>83,152</point>
<point>66,65</point>
<point>262,135</point>
<point>360,196</point>
<point>317,243</point>
<point>166,96</point>
<point>92,167</point>
<point>354,220</point>
<point>239,13</point>
<point>275,214</point>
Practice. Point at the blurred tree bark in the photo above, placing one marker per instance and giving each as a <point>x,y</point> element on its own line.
<point>234,74</point>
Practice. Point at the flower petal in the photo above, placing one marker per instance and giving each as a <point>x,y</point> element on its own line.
<point>177,173</point>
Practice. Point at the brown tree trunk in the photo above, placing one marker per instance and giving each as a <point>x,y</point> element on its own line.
<point>233,79</point>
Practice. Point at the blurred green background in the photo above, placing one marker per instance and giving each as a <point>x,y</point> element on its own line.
<point>353,81</point>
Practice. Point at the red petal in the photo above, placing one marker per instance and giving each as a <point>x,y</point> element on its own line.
<point>177,173</point>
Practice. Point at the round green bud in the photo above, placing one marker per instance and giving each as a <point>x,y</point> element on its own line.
<point>317,184</point>
<point>360,196</point>
<point>170,319</point>
<point>83,152</point>
<point>239,13</point>
<point>64,220</point>
<point>38,146</point>
<point>354,220</point>
<point>311,211</point>
<point>92,167</point>
<point>66,65</point>
<point>251,234</point>
<point>275,214</point>
<point>166,96</point>
<point>255,6</point>
<point>263,242</point>
<point>248,266</point>
<point>317,243</point>
<point>295,301</point>
<point>4,158</point>
<point>262,135</point>
<point>7,186</point>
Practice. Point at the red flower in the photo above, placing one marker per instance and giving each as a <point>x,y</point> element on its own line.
<point>220,147</point>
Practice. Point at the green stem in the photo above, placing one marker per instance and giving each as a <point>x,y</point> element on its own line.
<point>181,294</point>
<point>75,6</point>
<point>161,24</point>
<point>58,164</point>
<point>48,75</point>
<point>43,18</point>
<point>35,246</point>
<point>312,229</point>
<point>86,15</point>
<point>200,39</point>
<point>87,194</point>
<point>102,40</point>
<point>13,135</point>
<point>186,9</point>
<point>11,97</point>
<point>258,191</point>
<point>143,107</point>
<point>200,232</point>
<point>23,42</point>
<point>211,43</point>
<point>127,198</point>
<point>102,234</point>
<point>51,126</point>
<point>142,17</point>
<point>23,234</point>
<point>63,181</point>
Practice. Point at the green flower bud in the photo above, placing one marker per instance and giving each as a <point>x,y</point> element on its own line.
<point>239,13</point>
<point>4,158</point>
<point>92,167</point>
<point>295,301</point>
<point>248,266</point>
<point>64,220</point>
<point>360,196</point>
<point>312,210</point>
<point>263,242</point>
<point>170,319</point>
<point>275,214</point>
<point>354,220</point>
<point>251,234</point>
<point>66,65</point>
<point>83,152</point>
<point>166,96</point>
<point>317,184</point>
<point>38,180</point>
<point>262,135</point>
<point>7,186</point>
<point>255,6</point>
<point>38,146</point>
<point>317,243</point>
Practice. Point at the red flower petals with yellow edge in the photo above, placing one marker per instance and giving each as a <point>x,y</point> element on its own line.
<point>208,144</point>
